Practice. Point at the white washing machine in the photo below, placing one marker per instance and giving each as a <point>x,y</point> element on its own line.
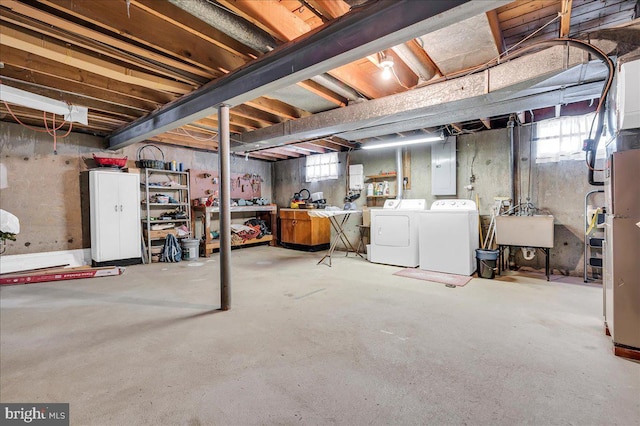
<point>394,232</point>
<point>449,237</point>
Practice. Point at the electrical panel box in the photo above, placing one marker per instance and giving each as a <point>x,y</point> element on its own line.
<point>629,95</point>
<point>443,167</point>
<point>356,177</point>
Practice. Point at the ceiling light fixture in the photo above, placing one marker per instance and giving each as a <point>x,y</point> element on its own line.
<point>410,140</point>
<point>72,113</point>
<point>386,62</point>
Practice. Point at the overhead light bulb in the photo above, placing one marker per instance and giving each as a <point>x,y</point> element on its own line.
<point>387,64</point>
<point>386,73</point>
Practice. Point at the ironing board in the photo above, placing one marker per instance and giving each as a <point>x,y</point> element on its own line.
<point>337,218</point>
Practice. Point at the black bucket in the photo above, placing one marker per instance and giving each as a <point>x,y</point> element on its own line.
<point>487,261</point>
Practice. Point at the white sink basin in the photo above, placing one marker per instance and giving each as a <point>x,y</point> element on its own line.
<point>525,231</point>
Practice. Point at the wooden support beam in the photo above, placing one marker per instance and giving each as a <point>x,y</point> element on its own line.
<point>105,51</point>
<point>56,51</point>
<point>47,67</point>
<point>279,108</point>
<point>10,73</point>
<point>565,19</point>
<point>178,17</point>
<point>331,146</point>
<point>310,147</point>
<point>136,23</point>
<point>496,32</point>
<point>100,37</point>
<point>255,114</point>
<point>486,122</point>
<point>323,92</point>
<point>270,153</point>
<point>94,104</point>
<point>457,127</point>
<point>330,8</point>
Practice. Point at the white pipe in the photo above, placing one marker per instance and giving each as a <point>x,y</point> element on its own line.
<point>399,177</point>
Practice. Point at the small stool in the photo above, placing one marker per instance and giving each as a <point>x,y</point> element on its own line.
<point>363,233</point>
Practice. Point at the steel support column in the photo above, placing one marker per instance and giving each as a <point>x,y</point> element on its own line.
<point>225,207</point>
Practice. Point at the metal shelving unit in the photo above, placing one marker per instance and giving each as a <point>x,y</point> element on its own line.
<point>172,184</point>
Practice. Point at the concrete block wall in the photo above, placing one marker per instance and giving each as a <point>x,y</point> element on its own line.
<point>48,192</point>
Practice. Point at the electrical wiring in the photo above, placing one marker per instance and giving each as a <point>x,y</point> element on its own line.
<point>53,131</point>
<point>194,137</point>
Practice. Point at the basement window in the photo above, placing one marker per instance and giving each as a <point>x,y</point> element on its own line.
<point>322,167</point>
<point>561,138</point>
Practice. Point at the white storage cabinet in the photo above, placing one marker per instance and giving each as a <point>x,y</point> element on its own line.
<point>115,217</point>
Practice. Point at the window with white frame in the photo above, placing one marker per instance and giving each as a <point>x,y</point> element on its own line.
<point>561,138</point>
<point>322,167</point>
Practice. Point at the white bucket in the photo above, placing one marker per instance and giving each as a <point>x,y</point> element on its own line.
<point>190,248</point>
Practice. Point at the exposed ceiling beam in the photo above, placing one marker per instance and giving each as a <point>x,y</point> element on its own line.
<point>47,67</point>
<point>565,19</point>
<point>60,52</point>
<point>138,24</point>
<point>80,30</point>
<point>486,122</point>
<point>509,79</point>
<point>356,35</point>
<point>276,107</point>
<point>33,77</point>
<point>494,24</point>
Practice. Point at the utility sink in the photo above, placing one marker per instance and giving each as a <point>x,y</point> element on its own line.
<point>525,231</point>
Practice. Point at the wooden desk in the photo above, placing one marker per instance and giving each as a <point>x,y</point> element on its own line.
<point>266,213</point>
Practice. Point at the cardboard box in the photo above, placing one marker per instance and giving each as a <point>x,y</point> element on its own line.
<point>366,216</point>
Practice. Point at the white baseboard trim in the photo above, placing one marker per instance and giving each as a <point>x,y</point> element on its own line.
<point>23,262</point>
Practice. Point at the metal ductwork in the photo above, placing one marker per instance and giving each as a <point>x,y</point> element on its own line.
<point>399,175</point>
<point>230,24</point>
<point>423,71</point>
<point>338,87</point>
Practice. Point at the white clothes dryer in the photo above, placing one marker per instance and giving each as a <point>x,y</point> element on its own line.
<point>449,237</point>
<point>394,232</point>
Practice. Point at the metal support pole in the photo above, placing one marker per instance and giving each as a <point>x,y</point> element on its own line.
<point>512,159</point>
<point>399,174</point>
<point>225,207</point>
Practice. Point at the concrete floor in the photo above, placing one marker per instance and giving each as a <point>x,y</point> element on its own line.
<point>308,344</point>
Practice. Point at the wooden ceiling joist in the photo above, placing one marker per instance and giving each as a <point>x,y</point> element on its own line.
<point>311,147</point>
<point>47,67</point>
<point>100,37</point>
<point>94,104</point>
<point>565,19</point>
<point>137,24</point>
<point>67,86</point>
<point>57,51</point>
<point>176,16</point>
<point>279,108</point>
<point>255,114</point>
<point>105,51</point>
